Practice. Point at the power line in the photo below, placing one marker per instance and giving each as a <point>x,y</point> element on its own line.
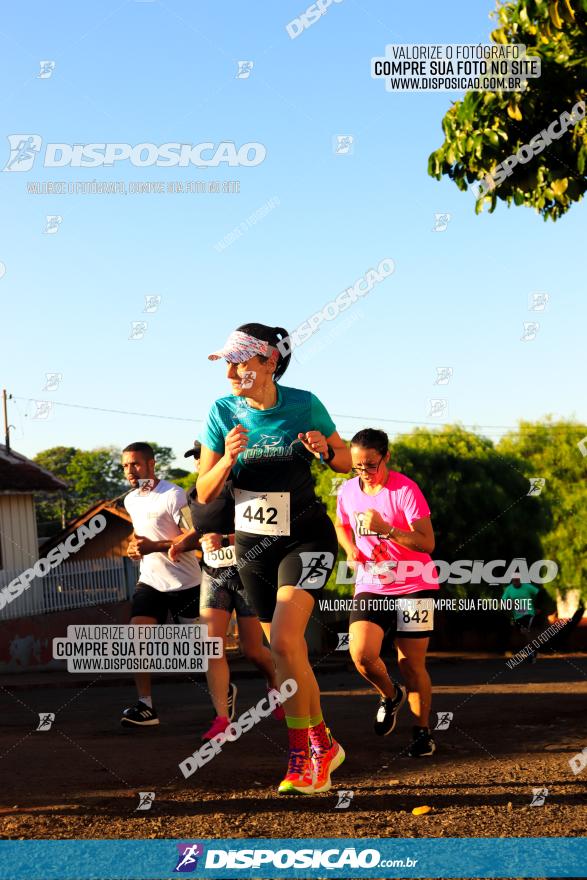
<point>122,412</point>
<point>534,427</point>
<point>366,419</point>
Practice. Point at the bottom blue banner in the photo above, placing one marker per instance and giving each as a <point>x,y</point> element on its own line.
<point>303,858</point>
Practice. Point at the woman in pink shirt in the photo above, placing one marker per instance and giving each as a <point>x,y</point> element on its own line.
<point>383,524</point>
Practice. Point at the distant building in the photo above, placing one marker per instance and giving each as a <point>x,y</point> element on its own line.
<point>20,478</point>
<point>109,543</point>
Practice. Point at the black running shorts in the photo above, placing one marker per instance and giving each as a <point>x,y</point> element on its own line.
<point>408,620</point>
<point>149,602</point>
<point>304,559</point>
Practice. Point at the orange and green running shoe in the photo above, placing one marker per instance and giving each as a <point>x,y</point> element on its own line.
<point>325,763</point>
<point>299,778</point>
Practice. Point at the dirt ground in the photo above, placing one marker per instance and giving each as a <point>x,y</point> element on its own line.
<point>512,730</point>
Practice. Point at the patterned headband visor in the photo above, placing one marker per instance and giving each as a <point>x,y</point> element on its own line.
<point>239,347</point>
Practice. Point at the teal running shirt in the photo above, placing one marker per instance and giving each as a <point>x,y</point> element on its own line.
<point>274,460</point>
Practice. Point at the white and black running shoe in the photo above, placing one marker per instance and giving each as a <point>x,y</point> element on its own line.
<point>386,717</point>
<point>231,703</point>
<point>422,743</point>
<point>140,715</point>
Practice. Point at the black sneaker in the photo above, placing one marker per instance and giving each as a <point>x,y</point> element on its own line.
<point>140,715</point>
<point>422,743</point>
<point>231,704</point>
<point>386,717</point>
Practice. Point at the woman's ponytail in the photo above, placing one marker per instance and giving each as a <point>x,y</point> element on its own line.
<point>278,337</point>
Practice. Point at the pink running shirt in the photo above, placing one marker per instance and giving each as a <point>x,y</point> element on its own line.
<point>400,502</point>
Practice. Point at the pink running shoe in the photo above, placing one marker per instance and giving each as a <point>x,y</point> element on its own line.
<point>279,712</point>
<point>219,725</point>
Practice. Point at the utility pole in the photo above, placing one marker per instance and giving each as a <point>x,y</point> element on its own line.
<point>6,425</point>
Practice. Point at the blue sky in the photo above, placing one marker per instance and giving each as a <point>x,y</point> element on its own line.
<point>141,72</point>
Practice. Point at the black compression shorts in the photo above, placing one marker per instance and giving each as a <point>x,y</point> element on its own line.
<point>305,559</point>
<point>149,602</point>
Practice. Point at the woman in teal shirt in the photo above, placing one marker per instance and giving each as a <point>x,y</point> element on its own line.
<point>286,546</point>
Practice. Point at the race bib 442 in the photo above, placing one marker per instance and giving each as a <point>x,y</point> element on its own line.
<point>261,513</point>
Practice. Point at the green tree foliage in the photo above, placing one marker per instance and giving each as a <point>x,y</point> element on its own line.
<point>486,127</point>
<point>53,510</point>
<point>96,475</point>
<point>91,476</point>
<point>163,459</point>
<point>551,451</point>
<point>186,482</point>
<point>478,496</point>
